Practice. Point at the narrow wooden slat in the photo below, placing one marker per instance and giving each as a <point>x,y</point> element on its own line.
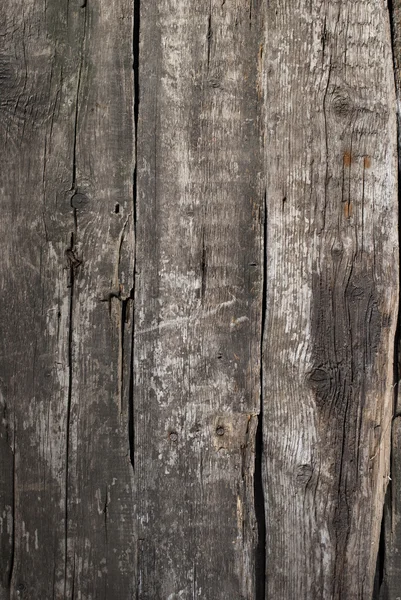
<point>332,294</point>
<point>388,577</point>
<point>389,571</point>
<point>100,506</point>
<point>37,138</point>
<point>197,298</point>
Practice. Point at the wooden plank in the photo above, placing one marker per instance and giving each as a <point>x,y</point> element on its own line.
<point>100,477</point>
<point>37,130</point>
<point>389,571</point>
<point>197,298</point>
<point>66,275</point>
<point>388,577</point>
<point>332,294</point>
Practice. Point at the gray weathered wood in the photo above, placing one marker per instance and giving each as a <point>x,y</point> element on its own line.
<point>389,571</point>
<point>67,267</point>
<point>332,294</point>
<point>388,579</point>
<point>197,298</point>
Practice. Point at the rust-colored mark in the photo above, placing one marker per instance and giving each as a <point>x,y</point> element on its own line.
<point>367,162</point>
<point>347,158</point>
<point>347,210</point>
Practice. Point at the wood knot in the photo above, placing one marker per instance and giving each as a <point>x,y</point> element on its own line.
<point>320,381</point>
<point>342,104</point>
<point>173,436</point>
<point>337,249</point>
<point>304,474</point>
<point>79,200</point>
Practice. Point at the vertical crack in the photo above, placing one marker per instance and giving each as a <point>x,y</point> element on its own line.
<point>73,262</point>
<point>69,252</point>
<point>12,561</point>
<point>124,315</point>
<point>131,431</point>
<point>209,36</point>
<point>106,511</point>
<point>260,559</point>
<point>203,267</point>
<point>135,54</point>
<point>380,561</point>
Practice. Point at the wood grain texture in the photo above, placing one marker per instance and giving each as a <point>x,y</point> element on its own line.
<point>67,269</point>
<point>388,576</point>
<point>177,179</point>
<point>332,294</point>
<point>197,298</point>
<point>388,580</point>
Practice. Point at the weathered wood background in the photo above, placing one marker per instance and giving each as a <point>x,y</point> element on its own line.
<point>199,300</point>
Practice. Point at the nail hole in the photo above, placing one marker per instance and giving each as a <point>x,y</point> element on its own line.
<point>117,208</point>
<point>219,356</point>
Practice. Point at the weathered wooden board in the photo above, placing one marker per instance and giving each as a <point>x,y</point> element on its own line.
<point>388,576</point>
<point>197,298</point>
<point>388,584</point>
<point>67,267</point>
<point>332,294</point>
<point>37,139</point>
<point>176,178</point>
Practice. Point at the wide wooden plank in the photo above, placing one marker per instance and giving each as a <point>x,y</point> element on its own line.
<point>197,319</point>
<point>66,279</point>
<point>332,294</point>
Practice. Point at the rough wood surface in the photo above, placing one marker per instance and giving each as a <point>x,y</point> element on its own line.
<point>177,178</point>
<point>388,584</point>
<point>197,299</point>
<point>332,294</point>
<point>67,268</point>
<point>388,576</point>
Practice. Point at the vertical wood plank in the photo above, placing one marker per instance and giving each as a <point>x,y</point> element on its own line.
<point>67,528</point>
<point>332,294</point>
<point>388,577</point>
<point>37,130</point>
<point>389,571</point>
<point>197,298</point>
<point>100,505</point>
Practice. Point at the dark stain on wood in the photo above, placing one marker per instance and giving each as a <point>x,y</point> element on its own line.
<point>347,328</point>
